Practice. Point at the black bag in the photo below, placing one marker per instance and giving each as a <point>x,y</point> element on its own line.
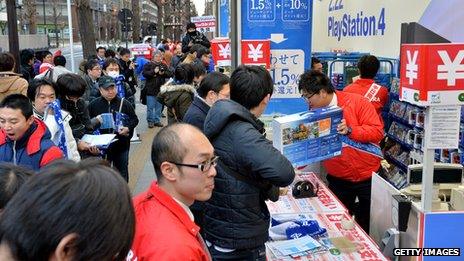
<point>267,190</point>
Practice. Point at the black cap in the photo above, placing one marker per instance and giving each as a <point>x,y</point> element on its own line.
<point>191,25</point>
<point>106,81</point>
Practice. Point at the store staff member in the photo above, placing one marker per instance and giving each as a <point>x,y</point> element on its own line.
<point>368,66</point>
<point>349,175</point>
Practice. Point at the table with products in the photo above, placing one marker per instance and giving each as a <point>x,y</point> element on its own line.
<point>326,209</point>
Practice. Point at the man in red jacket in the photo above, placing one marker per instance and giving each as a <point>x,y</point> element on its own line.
<point>184,163</point>
<point>368,66</point>
<point>349,174</point>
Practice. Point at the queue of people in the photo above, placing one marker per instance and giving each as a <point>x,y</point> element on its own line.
<point>208,199</point>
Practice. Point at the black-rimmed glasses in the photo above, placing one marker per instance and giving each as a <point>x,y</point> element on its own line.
<point>307,97</point>
<point>203,167</point>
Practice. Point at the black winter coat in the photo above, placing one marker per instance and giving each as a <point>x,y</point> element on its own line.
<point>154,80</point>
<point>101,105</point>
<point>196,38</point>
<point>196,113</point>
<point>236,216</point>
<point>80,122</point>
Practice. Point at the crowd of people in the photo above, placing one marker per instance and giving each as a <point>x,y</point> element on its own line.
<point>61,200</point>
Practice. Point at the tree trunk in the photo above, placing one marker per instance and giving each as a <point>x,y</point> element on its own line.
<point>136,21</point>
<point>86,31</point>
<point>30,15</point>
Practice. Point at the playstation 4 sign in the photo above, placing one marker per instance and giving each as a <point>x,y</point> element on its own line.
<point>277,34</point>
<point>432,74</point>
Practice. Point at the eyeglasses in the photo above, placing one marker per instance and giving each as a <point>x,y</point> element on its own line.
<point>224,96</point>
<point>203,167</point>
<point>307,97</point>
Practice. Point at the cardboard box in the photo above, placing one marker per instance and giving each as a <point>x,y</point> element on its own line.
<point>308,137</point>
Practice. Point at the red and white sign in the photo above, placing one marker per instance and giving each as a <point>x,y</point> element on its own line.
<point>142,50</point>
<point>256,52</point>
<point>220,49</point>
<point>204,23</point>
<point>432,74</point>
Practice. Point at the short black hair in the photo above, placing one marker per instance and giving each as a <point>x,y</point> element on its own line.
<point>124,51</point>
<point>100,47</point>
<point>34,87</point>
<point>7,62</point>
<point>110,53</point>
<point>71,85</point>
<point>90,64</point>
<point>163,150</point>
<point>191,25</point>
<point>44,54</point>
<point>85,198</point>
<point>198,69</point>
<point>26,55</point>
<point>202,51</point>
<point>59,60</point>
<point>368,66</point>
<point>18,101</point>
<point>314,61</point>
<point>249,85</point>
<point>111,61</point>
<point>214,81</point>
<point>184,73</point>
<point>314,81</point>
<point>196,48</point>
<point>12,177</point>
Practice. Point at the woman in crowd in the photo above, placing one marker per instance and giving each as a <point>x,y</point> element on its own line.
<point>69,211</point>
<point>178,94</point>
<point>42,94</point>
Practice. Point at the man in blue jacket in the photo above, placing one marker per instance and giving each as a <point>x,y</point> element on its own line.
<point>24,140</point>
<point>236,217</point>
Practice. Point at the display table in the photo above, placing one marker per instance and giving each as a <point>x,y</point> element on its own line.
<point>329,212</point>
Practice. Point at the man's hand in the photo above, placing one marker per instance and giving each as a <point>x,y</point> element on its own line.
<point>190,44</point>
<point>124,131</point>
<point>342,128</point>
<point>94,150</point>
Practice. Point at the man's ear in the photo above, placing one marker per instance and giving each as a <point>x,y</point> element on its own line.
<point>266,99</point>
<point>30,120</point>
<point>169,171</point>
<point>66,249</point>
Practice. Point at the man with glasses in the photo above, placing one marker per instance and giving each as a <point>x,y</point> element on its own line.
<point>93,72</point>
<point>184,162</point>
<point>349,175</point>
<point>236,219</point>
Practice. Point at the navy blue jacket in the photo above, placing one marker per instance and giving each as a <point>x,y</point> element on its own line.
<point>34,150</point>
<point>236,216</point>
<point>196,113</point>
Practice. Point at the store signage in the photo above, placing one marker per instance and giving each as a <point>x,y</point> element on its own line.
<point>432,74</point>
<point>256,52</point>
<point>288,25</point>
<point>220,49</point>
<point>204,23</point>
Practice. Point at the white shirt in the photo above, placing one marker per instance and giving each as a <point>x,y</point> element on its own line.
<point>334,101</point>
<point>187,209</point>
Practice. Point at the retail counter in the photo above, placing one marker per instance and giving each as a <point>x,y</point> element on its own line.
<point>329,213</point>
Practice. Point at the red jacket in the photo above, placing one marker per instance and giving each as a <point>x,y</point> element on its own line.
<point>34,150</point>
<point>163,231</point>
<point>361,86</point>
<point>355,165</point>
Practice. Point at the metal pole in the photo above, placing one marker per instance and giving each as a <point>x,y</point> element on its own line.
<point>428,166</point>
<point>13,32</point>
<point>71,40</point>
<point>234,32</point>
<point>45,22</point>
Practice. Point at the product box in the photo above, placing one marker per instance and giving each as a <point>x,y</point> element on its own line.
<point>308,137</point>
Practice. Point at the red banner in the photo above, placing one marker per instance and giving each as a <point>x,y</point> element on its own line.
<point>256,52</point>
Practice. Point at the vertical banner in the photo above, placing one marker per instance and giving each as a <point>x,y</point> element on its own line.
<point>287,24</point>
<point>220,49</point>
<point>224,18</point>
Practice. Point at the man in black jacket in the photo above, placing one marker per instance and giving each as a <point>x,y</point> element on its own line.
<point>109,102</point>
<point>236,217</point>
<point>155,73</point>
<point>193,37</point>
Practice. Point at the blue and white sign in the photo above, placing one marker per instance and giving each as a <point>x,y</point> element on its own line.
<point>287,23</point>
<point>224,18</point>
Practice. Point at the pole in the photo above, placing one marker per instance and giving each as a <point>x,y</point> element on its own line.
<point>428,166</point>
<point>234,32</point>
<point>126,33</point>
<point>13,32</point>
<point>71,40</point>
<point>45,22</point>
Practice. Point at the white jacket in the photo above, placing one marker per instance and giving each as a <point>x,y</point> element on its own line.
<point>54,129</point>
